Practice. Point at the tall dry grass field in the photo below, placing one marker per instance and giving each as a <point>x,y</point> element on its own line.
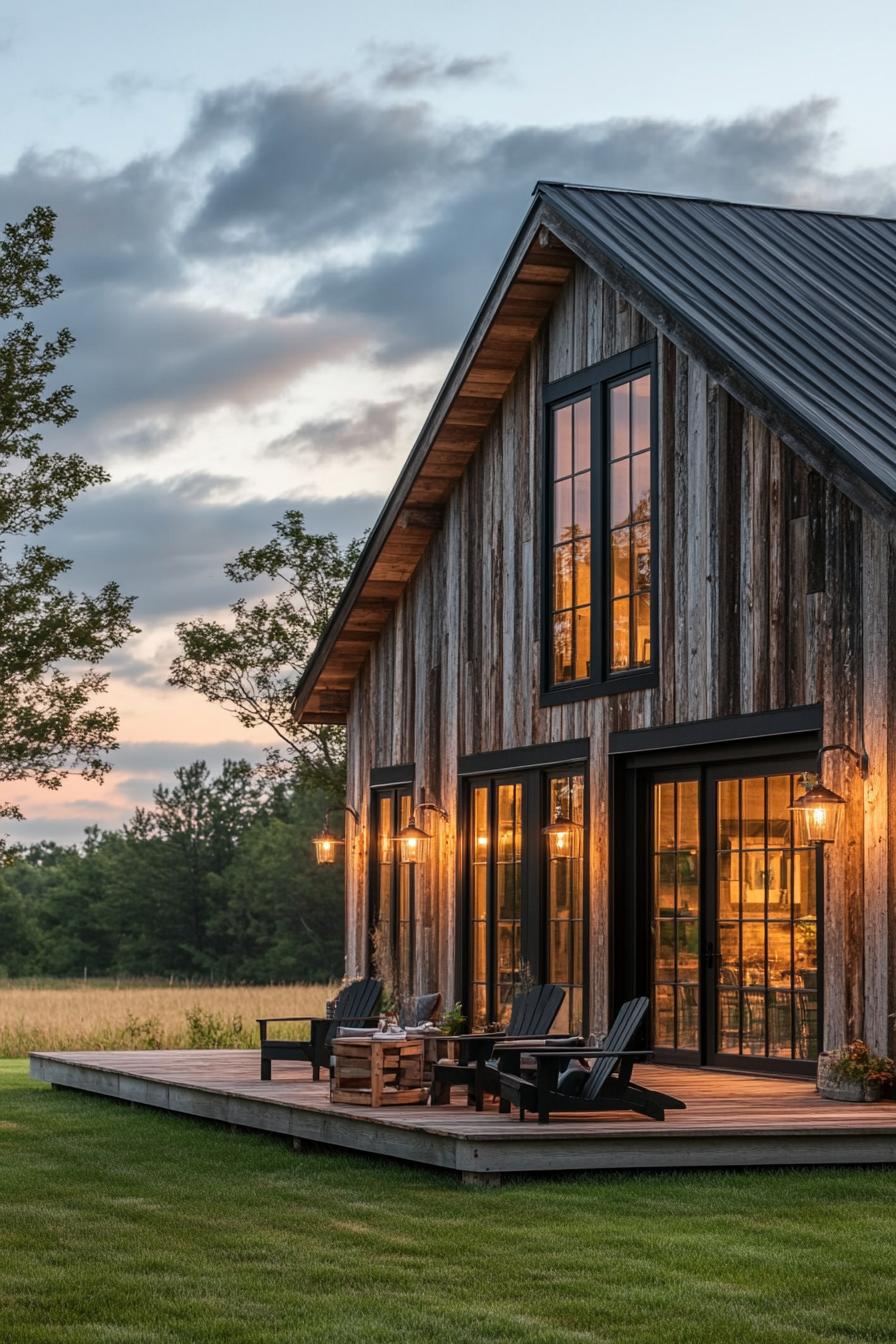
<point>80,1015</point>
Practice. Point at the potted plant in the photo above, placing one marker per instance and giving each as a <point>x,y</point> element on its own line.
<point>854,1073</point>
<point>452,1021</point>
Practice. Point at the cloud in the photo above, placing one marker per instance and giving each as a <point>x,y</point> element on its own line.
<point>314,166</point>
<point>160,356</point>
<point>146,346</point>
<point>423,296</point>
<point>128,85</point>
<point>381,225</point>
<point>370,430</point>
<point>155,758</point>
<point>428,207</point>
<point>167,542</point>
<point>114,228</point>
<point>408,66</point>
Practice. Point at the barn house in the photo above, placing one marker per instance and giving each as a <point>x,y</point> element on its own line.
<point>617,662</point>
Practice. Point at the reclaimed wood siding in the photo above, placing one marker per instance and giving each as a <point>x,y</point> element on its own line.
<point>768,578</point>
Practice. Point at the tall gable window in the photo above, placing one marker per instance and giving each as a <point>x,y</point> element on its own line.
<point>600,534</point>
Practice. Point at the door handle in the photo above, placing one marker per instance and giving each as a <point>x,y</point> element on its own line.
<point>711,958</point>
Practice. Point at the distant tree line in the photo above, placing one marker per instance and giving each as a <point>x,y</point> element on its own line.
<point>215,881</point>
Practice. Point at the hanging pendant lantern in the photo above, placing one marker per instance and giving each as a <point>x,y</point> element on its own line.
<point>564,838</point>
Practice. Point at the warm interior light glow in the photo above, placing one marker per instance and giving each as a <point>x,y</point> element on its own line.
<point>817,813</point>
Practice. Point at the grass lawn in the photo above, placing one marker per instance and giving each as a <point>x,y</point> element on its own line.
<point>131,1227</point>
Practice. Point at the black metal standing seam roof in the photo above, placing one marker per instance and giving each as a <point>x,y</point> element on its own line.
<point>802,302</point>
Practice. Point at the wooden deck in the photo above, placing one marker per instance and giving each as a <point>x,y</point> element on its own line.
<point>731,1119</point>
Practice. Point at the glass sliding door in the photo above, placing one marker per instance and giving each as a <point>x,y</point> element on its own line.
<point>566,901</point>
<point>732,919</point>
<point>496,864</point>
<point>508,883</point>
<point>381,911</point>
<point>526,911</point>
<point>766,924</point>
<point>675,916</point>
<point>480,921</point>
<point>392,886</point>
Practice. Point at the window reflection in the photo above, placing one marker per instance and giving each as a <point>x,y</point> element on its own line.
<point>625,532</point>
<point>565,904</point>
<point>675,924</point>
<point>392,896</point>
<point>571,575</point>
<point>630,509</point>
<point>767,990</point>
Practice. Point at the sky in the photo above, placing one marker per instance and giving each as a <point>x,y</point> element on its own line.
<point>276,222</point>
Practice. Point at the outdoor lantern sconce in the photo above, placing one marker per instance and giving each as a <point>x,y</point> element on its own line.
<point>818,811</point>
<point>325,842</point>
<point>564,837</point>
<point>412,839</point>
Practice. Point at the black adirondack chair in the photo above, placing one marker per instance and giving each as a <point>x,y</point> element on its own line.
<point>561,1084</point>
<point>356,1005</point>
<point>531,1018</point>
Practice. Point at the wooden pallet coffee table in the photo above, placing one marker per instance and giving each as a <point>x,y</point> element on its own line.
<point>377,1073</point>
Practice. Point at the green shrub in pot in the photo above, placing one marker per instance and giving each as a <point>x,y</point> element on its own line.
<point>854,1073</point>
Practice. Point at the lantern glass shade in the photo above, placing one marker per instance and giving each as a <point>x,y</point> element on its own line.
<point>325,846</point>
<point>564,839</point>
<point>817,815</point>
<point>411,843</point>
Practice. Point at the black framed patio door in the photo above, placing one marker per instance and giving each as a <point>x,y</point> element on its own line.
<point>525,910</point>
<point>392,885</point>
<point>501,866</point>
<point>724,916</point>
<point>763,954</point>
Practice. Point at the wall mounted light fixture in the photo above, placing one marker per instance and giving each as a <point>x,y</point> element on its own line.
<point>325,842</point>
<point>818,812</point>
<point>412,840</point>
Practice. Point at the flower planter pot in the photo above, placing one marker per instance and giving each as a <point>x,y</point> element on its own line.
<point>836,1088</point>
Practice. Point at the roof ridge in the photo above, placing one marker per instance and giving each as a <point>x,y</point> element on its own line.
<point>708,200</point>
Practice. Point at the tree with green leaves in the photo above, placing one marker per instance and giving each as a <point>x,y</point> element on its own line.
<point>51,639</point>
<point>251,664</point>
<point>215,880</point>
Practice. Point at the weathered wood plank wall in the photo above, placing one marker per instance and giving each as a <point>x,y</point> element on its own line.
<point>774,591</point>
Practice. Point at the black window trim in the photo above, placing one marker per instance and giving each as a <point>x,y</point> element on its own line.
<point>596,380</point>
